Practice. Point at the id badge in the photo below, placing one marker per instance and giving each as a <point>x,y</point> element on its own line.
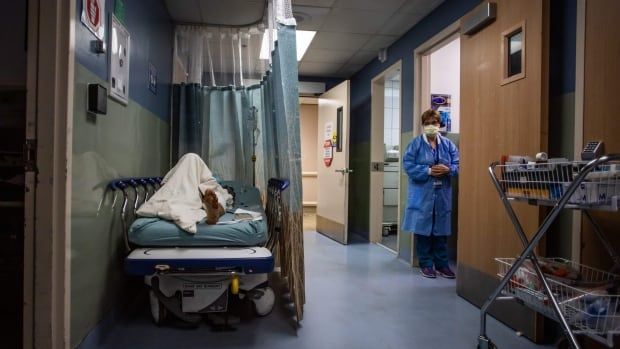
<point>437,183</point>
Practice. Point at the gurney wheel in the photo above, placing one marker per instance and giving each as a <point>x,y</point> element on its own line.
<point>264,300</point>
<point>158,311</point>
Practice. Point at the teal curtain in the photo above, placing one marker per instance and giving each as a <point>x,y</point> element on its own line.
<point>227,125</point>
<point>213,122</point>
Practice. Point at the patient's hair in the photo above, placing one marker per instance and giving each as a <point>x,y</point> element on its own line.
<point>230,191</point>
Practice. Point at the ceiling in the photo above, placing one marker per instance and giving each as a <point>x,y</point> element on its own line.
<point>349,35</point>
<point>226,12</point>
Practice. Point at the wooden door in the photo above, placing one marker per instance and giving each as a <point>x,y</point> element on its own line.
<point>600,111</point>
<point>501,119</point>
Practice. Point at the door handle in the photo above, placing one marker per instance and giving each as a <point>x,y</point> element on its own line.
<point>344,171</point>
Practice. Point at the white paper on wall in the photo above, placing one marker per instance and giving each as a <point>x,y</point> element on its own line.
<point>119,62</point>
<point>329,130</point>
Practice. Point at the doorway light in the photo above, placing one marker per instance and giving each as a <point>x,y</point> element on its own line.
<point>303,40</point>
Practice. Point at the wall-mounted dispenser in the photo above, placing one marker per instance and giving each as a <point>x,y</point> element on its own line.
<point>97,102</point>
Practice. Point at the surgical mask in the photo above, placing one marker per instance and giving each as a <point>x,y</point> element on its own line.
<point>431,130</point>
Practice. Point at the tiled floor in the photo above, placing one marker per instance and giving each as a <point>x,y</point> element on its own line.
<point>309,218</point>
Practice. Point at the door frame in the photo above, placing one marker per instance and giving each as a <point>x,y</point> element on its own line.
<point>49,120</point>
<point>579,107</point>
<point>420,76</point>
<point>375,217</point>
<point>421,82</point>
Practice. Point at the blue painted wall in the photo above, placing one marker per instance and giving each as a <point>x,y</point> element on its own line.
<point>151,31</point>
<point>444,15</point>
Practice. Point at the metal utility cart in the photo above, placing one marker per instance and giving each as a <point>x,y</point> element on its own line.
<point>583,300</point>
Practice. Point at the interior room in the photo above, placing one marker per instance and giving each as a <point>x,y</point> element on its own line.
<point>310,174</point>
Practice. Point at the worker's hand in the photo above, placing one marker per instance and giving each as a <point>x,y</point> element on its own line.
<point>439,170</point>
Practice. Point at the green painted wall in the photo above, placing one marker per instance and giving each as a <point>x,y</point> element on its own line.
<point>359,191</point>
<point>129,141</point>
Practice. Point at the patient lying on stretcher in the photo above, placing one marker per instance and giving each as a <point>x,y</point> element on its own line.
<point>179,201</point>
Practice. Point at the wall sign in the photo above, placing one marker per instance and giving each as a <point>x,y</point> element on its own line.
<point>443,104</point>
<point>328,153</point>
<point>119,62</point>
<point>329,130</point>
<point>92,16</point>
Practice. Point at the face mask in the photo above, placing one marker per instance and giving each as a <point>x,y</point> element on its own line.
<point>431,130</point>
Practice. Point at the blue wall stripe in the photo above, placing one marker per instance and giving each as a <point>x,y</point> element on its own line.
<point>151,33</point>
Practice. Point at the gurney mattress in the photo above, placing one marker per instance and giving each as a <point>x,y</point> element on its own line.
<point>155,232</point>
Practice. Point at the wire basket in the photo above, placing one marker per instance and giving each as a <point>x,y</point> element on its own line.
<point>548,181</point>
<point>582,293</point>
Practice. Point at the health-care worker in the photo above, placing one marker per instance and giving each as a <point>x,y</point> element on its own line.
<point>430,161</point>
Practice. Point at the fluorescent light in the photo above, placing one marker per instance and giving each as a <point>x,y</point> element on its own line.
<point>303,39</point>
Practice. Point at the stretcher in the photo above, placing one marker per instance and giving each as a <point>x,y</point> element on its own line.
<point>189,275</point>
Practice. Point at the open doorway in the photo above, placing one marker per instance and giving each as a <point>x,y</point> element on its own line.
<point>437,65</point>
<point>309,122</point>
<point>385,157</point>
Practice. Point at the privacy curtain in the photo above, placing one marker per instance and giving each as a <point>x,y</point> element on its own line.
<point>227,125</point>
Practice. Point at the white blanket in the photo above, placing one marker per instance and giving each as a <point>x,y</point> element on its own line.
<point>179,198</point>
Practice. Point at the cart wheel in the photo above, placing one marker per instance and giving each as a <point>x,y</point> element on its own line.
<point>158,311</point>
<point>485,343</point>
<point>264,300</point>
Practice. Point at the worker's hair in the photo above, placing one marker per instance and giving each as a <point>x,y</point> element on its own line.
<point>429,115</point>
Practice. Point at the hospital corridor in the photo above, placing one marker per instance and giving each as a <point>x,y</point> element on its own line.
<point>309,174</point>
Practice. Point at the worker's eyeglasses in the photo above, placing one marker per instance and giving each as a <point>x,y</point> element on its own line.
<point>428,123</point>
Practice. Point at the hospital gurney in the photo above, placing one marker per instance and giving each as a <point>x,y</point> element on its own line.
<point>221,265</point>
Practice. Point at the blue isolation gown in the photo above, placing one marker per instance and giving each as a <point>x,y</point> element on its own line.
<point>424,197</point>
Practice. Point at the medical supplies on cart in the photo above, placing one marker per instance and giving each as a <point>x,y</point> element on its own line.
<point>582,299</point>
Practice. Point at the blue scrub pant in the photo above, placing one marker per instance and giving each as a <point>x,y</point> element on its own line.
<point>431,250</point>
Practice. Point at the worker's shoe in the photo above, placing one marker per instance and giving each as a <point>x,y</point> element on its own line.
<point>446,272</point>
<point>428,272</point>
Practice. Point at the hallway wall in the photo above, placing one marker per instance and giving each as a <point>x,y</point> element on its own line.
<point>128,141</point>
<point>359,158</point>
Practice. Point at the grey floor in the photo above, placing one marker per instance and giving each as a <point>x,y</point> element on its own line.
<point>358,296</point>
<point>389,241</point>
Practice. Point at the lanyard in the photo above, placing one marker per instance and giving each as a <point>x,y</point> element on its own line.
<point>436,154</point>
